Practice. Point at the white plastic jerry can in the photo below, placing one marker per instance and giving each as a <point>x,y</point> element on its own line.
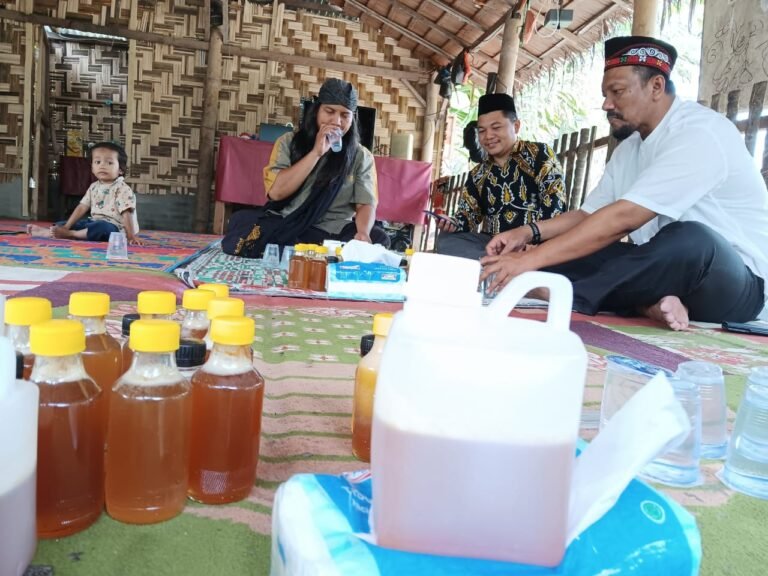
<point>18,464</point>
<point>476,419</point>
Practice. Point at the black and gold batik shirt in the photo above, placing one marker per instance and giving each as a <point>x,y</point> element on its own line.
<point>529,187</point>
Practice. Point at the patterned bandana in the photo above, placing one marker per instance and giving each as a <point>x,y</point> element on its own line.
<point>338,92</point>
<point>640,51</point>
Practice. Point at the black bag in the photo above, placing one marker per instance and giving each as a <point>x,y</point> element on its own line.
<point>472,143</point>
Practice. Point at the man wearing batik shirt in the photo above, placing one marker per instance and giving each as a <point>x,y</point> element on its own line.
<point>519,184</point>
<point>684,188</point>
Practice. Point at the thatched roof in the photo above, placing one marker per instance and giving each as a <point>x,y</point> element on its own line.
<point>439,29</point>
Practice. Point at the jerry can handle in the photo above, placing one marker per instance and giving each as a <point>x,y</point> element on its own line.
<point>560,296</point>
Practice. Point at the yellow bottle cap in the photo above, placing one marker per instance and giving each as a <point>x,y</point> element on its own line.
<point>197,298</point>
<point>225,307</point>
<point>27,310</point>
<point>57,338</point>
<point>233,330</point>
<point>88,304</point>
<point>322,250</point>
<point>299,248</point>
<point>156,302</point>
<point>409,251</point>
<point>221,290</point>
<point>381,323</point>
<point>154,336</point>
<point>338,250</point>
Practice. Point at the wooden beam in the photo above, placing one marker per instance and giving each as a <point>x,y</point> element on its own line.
<point>402,30</point>
<point>192,44</point>
<point>456,14</point>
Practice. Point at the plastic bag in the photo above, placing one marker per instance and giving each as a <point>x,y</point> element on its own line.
<point>320,526</point>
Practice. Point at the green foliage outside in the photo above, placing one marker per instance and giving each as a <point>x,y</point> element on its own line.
<point>567,96</point>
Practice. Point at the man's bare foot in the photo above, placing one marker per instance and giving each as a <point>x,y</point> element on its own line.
<point>539,294</point>
<point>63,233</point>
<point>669,311</point>
<point>39,231</point>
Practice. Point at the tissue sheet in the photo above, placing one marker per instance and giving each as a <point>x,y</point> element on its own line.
<point>320,527</point>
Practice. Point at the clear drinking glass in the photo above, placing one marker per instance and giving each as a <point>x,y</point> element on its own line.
<point>270,264</point>
<point>679,466</point>
<point>623,377</point>
<point>334,138</point>
<point>746,461</point>
<point>709,378</point>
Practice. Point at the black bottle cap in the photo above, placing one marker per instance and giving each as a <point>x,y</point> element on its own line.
<point>191,353</point>
<point>19,365</point>
<point>127,321</point>
<point>366,343</point>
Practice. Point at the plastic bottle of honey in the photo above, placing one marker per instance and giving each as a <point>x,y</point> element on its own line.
<point>125,326</point>
<point>156,305</point>
<point>365,388</point>
<point>195,304</point>
<point>102,357</point>
<point>227,398</point>
<point>190,356</point>
<point>148,434</point>
<point>20,314</point>
<point>310,254</point>
<point>151,305</point>
<point>318,269</point>
<point>296,266</point>
<point>70,434</point>
<point>221,290</point>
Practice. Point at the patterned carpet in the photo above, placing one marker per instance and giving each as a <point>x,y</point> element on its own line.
<point>308,357</point>
<point>162,251</point>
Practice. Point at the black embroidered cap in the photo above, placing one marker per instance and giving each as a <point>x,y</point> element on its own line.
<point>338,92</point>
<point>492,102</point>
<point>640,51</point>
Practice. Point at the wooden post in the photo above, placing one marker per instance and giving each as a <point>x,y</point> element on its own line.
<point>208,131</point>
<point>431,120</point>
<point>130,105</point>
<point>26,137</point>
<point>732,107</point>
<point>755,109</point>
<point>644,17</point>
<point>510,46</point>
<point>577,187</point>
<point>570,166</point>
<point>590,152</point>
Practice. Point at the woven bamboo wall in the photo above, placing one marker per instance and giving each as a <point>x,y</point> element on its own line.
<point>303,34</point>
<point>12,47</point>
<point>166,96</point>
<point>88,91</point>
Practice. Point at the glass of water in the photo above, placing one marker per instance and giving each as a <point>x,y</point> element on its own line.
<point>679,466</point>
<point>709,378</point>
<point>270,264</point>
<point>746,461</point>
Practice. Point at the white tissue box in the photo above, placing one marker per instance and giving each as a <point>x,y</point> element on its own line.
<point>365,281</point>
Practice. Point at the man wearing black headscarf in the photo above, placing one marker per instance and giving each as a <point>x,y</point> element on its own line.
<point>681,184</point>
<point>314,185</point>
<point>519,183</point>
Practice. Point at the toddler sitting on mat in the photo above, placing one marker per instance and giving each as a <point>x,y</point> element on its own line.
<point>110,200</point>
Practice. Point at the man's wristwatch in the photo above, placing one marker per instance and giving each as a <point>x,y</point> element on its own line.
<point>536,239</point>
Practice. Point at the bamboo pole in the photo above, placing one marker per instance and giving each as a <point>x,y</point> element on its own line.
<point>208,131</point>
<point>644,17</point>
<point>510,47</point>
<point>26,137</point>
<point>431,121</point>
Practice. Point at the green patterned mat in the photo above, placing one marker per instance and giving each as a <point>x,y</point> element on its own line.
<point>308,358</point>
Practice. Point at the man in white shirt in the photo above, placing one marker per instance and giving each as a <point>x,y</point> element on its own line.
<point>684,188</point>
